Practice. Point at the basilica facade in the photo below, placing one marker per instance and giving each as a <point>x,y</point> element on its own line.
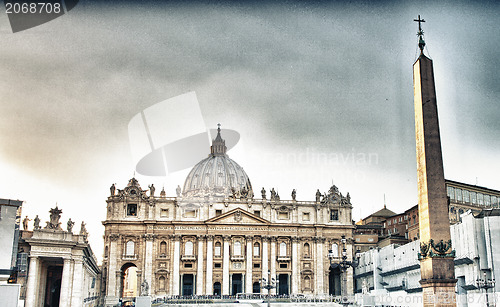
<point>216,237</point>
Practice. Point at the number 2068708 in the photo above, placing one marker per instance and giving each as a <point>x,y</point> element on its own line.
<point>33,8</point>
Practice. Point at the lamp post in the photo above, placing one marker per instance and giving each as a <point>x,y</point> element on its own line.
<point>485,284</point>
<point>269,283</point>
<point>343,265</point>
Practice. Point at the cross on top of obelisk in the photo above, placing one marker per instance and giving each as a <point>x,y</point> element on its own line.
<point>420,34</point>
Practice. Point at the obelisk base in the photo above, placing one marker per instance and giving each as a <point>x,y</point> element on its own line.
<point>439,293</point>
<point>143,301</point>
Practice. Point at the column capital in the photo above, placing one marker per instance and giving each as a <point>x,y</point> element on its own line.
<point>226,238</point>
<point>209,237</point>
<point>319,239</point>
<point>295,239</point>
<point>176,237</point>
<point>114,237</point>
<point>201,237</point>
<point>149,236</point>
<point>266,238</point>
<point>249,237</point>
<point>273,239</point>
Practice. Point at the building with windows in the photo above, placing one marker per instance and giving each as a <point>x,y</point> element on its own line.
<point>215,237</point>
<point>57,267</point>
<point>10,216</point>
<point>391,275</point>
<point>464,197</point>
<point>392,228</point>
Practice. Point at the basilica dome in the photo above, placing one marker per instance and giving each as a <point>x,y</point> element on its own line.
<point>217,176</point>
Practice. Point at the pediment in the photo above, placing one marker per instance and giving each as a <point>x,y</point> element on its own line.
<point>237,216</point>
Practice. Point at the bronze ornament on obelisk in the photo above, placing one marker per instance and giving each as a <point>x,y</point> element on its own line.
<point>436,255</point>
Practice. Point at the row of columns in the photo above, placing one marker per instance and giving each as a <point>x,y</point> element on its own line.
<point>113,285</point>
<point>249,265</point>
<point>71,283</point>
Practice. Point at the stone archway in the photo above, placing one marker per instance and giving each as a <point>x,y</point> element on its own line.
<point>129,281</point>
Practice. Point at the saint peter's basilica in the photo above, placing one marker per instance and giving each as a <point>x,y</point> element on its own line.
<point>217,237</point>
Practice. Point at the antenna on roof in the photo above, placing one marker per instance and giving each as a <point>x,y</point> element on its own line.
<point>384,202</point>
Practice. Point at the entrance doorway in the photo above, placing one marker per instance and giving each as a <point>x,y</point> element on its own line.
<point>256,287</point>
<point>236,285</point>
<point>187,284</point>
<point>334,286</point>
<point>217,289</point>
<point>129,281</point>
<point>283,284</point>
<point>53,288</point>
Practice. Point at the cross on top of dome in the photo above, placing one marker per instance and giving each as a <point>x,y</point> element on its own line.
<point>218,147</point>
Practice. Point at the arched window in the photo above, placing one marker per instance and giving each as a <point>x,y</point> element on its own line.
<point>217,251</point>
<point>256,249</point>
<point>129,250</point>
<point>307,250</point>
<point>282,249</point>
<point>188,248</point>
<point>106,251</point>
<point>237,248</point>
<point>162,282</point>
<point>163,248</point>
<point>335,249</point>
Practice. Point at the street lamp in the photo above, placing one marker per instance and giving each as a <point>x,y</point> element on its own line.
<point>485,284</point>
<point>343,265</point>
<point>269,283</point>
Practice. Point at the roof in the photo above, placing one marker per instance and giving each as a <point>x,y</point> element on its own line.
<point>384,212</point>
<point>11,202</point>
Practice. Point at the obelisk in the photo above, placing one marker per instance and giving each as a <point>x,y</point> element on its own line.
<point>436,254</point>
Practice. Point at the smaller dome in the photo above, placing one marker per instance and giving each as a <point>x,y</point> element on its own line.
<point>216,175</point>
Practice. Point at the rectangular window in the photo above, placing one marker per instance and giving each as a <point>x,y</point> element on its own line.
<point>451,193</point>
<point>494,201</point>
<point>190,213</point>
<point>283,265</point>
<point>334,215</point>
<point>306,216</point>
<point>458,194</point>
<point>473,198</point>
<point>282,215</point>
<point>256,265</point>
<point>188,265</point>
<point>217,265</point>
<point>132,209</point>
<point>256,212</point>
<point>466,196</point>
<point>22,264</point>
<point>480,199</point>
<point>218,212</point>
<point>256,250</point>
<point>487,200</point>
<point>164,213</point>
<point>389,223</point>
<point>217,251</point>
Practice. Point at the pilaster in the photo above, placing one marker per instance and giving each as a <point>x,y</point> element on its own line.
<point>176,265</point>
<point>225,266</point>
<point>210,259</point>
<point>249,265</point>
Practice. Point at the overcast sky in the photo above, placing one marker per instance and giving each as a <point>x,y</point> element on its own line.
<point>312,89</point>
